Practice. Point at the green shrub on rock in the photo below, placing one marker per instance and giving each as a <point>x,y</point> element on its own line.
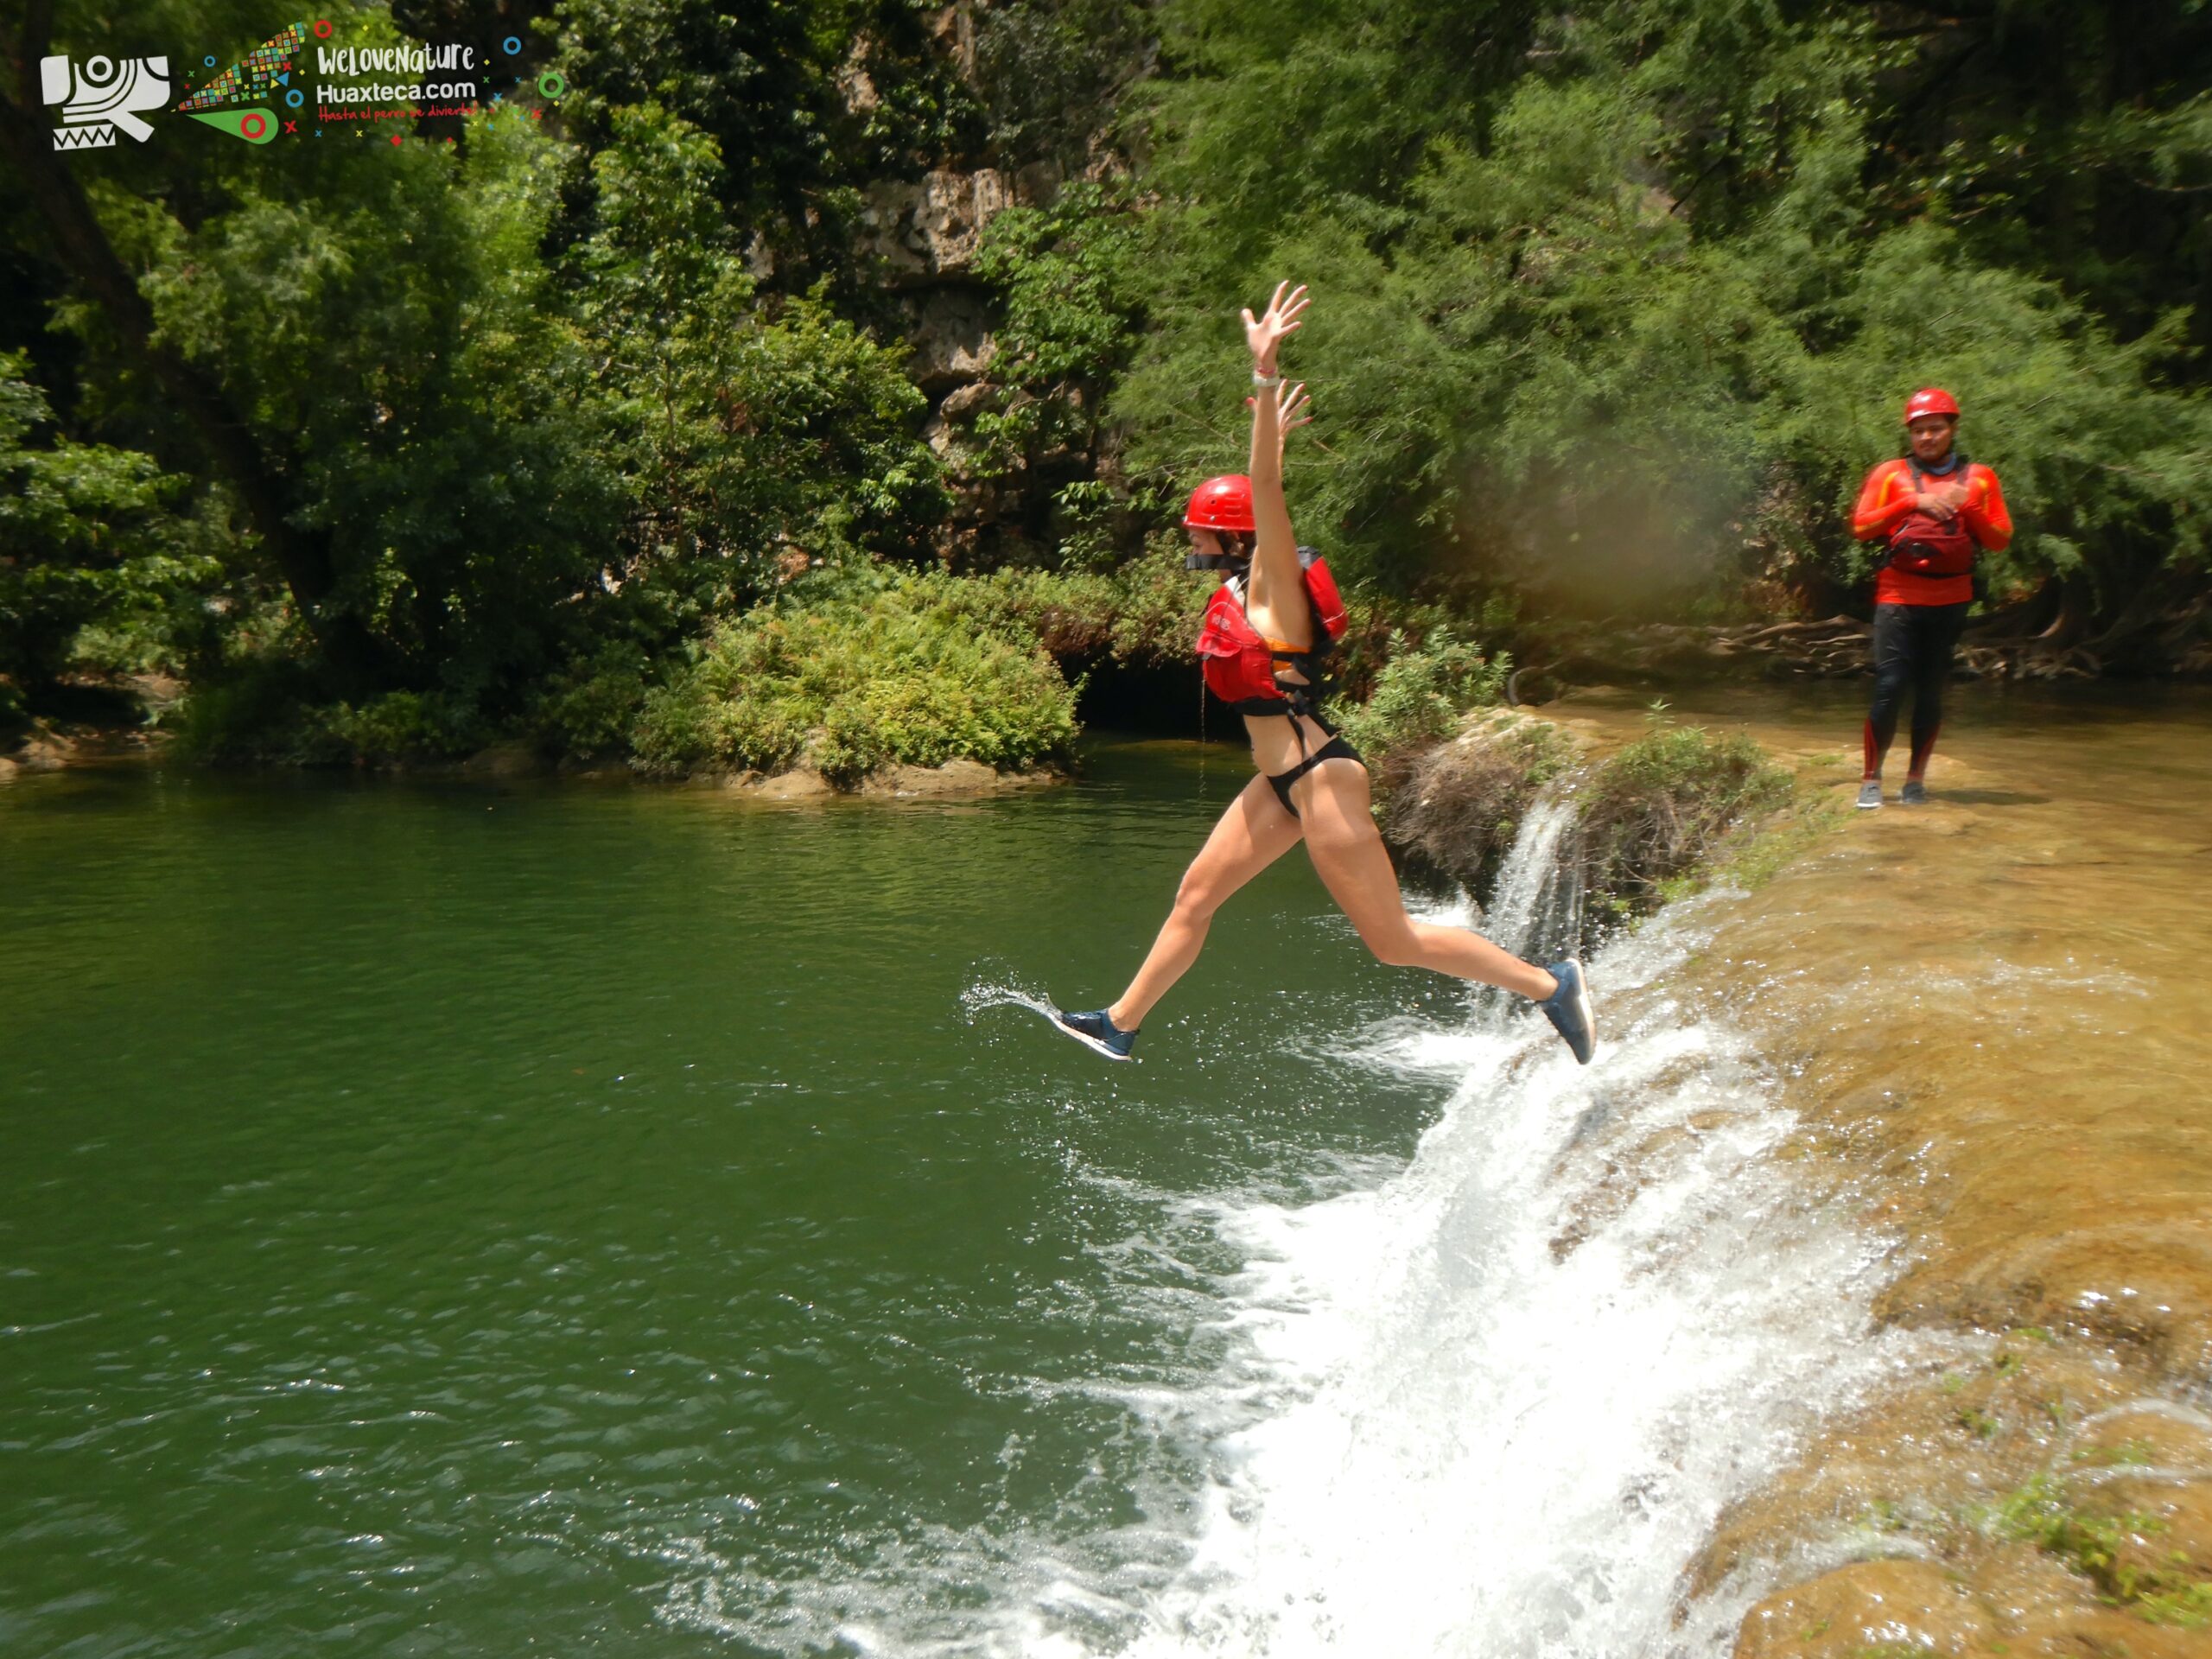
<point>897,678</point>
<point>1656,812</point>
<point>1422,692</point>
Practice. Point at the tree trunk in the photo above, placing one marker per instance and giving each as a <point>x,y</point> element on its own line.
<point>2016,622</point>
<point>2073,618</point>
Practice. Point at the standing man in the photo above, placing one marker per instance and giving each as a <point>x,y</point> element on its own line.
<point>1936,508</point>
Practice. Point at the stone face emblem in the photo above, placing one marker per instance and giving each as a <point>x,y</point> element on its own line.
<point>101,95</point>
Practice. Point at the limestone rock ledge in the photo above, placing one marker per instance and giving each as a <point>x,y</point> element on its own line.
<point>2083,1531</point>
<point>954,779</point>
<point>1884,1606</point>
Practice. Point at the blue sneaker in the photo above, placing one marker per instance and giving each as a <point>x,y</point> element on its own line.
<point>1100,1032</point>
<point>1568,1009</point>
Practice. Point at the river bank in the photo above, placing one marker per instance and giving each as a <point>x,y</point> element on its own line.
<point>1994,1012</point>
<point>48,747</point>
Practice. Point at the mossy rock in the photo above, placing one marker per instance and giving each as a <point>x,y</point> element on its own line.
<point>1868,1608</point>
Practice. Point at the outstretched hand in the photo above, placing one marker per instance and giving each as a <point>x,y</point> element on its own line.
<point>1265,332</point>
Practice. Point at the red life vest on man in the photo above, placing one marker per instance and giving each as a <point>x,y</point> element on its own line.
<point>1240,663</point>
<point>1924,545</point>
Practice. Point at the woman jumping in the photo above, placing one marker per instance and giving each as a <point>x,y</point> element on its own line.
<point>1266,630</point>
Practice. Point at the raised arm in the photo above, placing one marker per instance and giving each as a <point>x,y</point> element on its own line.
<point>1275,579</point>
<point>1294,409</point>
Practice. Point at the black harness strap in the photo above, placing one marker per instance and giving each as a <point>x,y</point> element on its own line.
<point>1296,699</point>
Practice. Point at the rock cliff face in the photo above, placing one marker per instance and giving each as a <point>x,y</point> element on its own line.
<point>925,232</point>
<point>918,239</point>
<point>921,237</point>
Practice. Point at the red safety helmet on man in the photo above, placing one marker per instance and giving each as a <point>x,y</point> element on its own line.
<point>1223,503</point>
<point>1930,400</point>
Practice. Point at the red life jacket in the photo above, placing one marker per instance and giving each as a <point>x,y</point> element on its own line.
<point>1924,545</point>
<point>1240,665</point>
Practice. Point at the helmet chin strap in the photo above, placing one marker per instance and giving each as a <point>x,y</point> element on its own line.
<point>1235,563</point>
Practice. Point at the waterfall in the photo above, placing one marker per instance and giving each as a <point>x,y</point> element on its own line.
<point>1509,1391</point>
<point>1535,908</point>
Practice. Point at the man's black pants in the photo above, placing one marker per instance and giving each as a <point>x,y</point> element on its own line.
<point>1913,647</point>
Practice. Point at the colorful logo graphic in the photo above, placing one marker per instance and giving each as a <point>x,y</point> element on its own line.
<point>269,66</point>
<point>101,95</point>
<point>389,89</point>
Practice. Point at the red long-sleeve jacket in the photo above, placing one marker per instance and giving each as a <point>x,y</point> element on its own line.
<point>1886,502</point>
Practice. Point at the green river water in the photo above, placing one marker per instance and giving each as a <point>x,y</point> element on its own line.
<point>463,1218</point>
<point>586,1218</point>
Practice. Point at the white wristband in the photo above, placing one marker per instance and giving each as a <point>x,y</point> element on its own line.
<point>1259,379</point>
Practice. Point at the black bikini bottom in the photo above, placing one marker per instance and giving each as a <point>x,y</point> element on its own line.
<point>1335,749</point>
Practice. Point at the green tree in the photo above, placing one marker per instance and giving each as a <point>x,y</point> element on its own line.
<point>1621,313</point>
<point>89,536</point>
<point>394,326</point>
<point>807,101</point>
<point>750,435</point>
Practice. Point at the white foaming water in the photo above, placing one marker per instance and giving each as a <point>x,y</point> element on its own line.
<point>1513,1388</point>
<point>1532,884</point>
<point>1510,1390</point>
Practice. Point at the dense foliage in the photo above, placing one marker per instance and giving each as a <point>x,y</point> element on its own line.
<point>95,563</point>
<point>395,450</point>
<point>1618,304</point>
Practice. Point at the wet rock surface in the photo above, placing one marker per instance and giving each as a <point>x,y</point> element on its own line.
<point>1995,1016</point>
<point>1898,1604</point>
<point>955,778</point>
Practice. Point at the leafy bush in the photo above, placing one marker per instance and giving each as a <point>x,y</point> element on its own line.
<point>394,729</point>
<point>590,708</point>
<point>897,678</point>
<point>1422,692</point>
<point>1145,612</point>
<point>1656,812</point>
<point>264,710</point>
<point>98,566</point>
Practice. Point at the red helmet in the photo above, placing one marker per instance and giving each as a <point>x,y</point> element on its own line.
<point>1223,503</point>
<point>1930,400</point>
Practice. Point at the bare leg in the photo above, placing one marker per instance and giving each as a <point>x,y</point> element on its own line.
<point>1347,852</point>
<point>1251,834</point>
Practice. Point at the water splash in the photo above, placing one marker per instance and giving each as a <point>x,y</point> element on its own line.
<point>1536,888</point>
<point>1513,1389</point>
<point>985,994</point>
